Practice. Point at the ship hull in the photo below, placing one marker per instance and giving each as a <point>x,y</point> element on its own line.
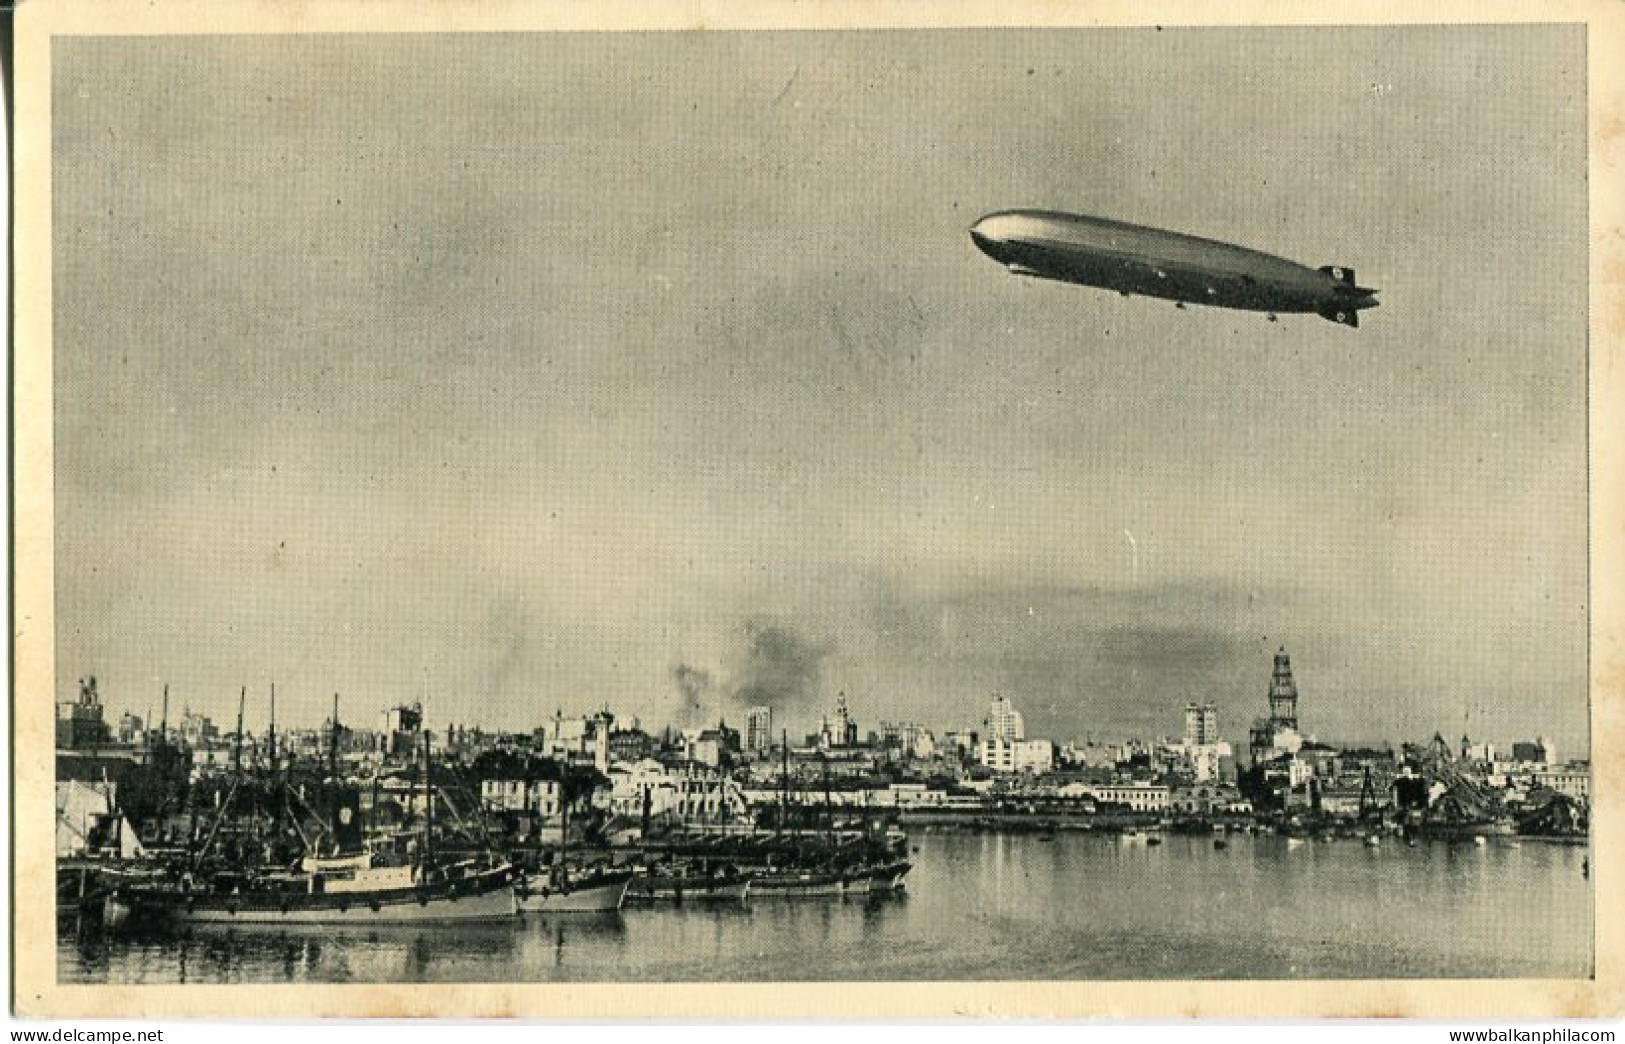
<point>886,877</point>
<point>489,897</point>
<point>673,891</point>
<point>805,886</point>
<point>599,897</point>
<point>1468,831</point>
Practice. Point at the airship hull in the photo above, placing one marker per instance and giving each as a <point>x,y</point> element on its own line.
<point>1150,262</point>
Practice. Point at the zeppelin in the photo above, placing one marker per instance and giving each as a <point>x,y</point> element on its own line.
<point>1133,259</point>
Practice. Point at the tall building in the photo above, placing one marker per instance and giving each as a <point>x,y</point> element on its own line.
<point>79,723</point>
<point>759,730</point>
<point>843,731</point>
<point>403,726</point>
<point>1201,724</point>
<point>1540,752</point>
<point>1004,721</point>
<point>1283,693</point>
<point>1278,734</point>
<point>913,740</point>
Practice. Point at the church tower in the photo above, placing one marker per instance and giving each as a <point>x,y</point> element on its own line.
<point>1283,693</point>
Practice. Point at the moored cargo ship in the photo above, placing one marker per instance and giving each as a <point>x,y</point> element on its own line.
<point>392,895</point>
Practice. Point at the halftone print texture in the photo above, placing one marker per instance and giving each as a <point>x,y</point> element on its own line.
<point>522,374</point>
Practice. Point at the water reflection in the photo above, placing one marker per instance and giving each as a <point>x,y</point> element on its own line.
<point>978,907</point>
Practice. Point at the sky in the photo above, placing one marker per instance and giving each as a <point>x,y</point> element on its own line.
<point>530,372</point>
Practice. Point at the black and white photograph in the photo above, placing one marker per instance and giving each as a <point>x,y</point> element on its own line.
<point>762,503</point>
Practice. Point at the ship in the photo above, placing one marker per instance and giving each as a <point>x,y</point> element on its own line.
<point>803,883</point>
<point>342,878</point>
<point>597,890</point>
<point>688,883</point>
<point>353,895</point>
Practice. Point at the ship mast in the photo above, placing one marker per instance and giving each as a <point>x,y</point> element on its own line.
<point>333,742</point>
<point>237,740</point>
<point>428,800</point>
<point>784,779</point>
<point>236,782</point>
<point>271,743</point>
<point>829,811</point>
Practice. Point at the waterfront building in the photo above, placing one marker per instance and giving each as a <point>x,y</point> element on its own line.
<point>706,795</point>
<point>1571,780</point>
<point>88,821</point>
<point>537,797</point>
<point>915,795</point>
<point>1342,799</point>
<point>1204,800</point>
<point>759,730</point>
<point>1004,755</point>
<point>641,786</point>
<point>1138,795</point>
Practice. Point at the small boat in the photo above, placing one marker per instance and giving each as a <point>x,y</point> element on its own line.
<point>1479,841</point>
<point>797,884</point>
<point>1220,843</point>
<point>596,891</point>
<point>1153,841</point>
<point>1295,842</point>
<point>868,879</point>
<point>685,886</point>
<point>1372,840</point>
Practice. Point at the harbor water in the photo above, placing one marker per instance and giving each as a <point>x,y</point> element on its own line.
<point>980,906</point>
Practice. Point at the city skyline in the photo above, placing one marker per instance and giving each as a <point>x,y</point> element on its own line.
<point>256,723</point>
<point>543,388</point>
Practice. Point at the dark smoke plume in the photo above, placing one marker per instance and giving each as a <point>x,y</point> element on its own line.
<point>781,668</point>
<point>692,685</point>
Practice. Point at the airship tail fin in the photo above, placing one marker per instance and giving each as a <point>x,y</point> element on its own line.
<point>1346,316</point>
<point>1339,273</point>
